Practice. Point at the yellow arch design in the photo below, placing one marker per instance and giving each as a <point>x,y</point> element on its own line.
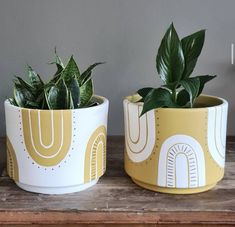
<point>47,135</point>
<point>12,165</point>
<point>95,159</point>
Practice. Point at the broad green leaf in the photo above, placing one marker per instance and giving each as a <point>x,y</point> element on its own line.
<point>172,86</point>
<point>86,93</point>
<point>144,91</point>
<point>157,98</point>
<point>58,96</point>
<point>170,58</point>
<point>86,75</point>
<point>34,78</point>
<point>203,80</point>
<point>191,85</point>
<point>22,95</point>
<point>74,90</point>
<point>183,98</point>
<point>70,70</point>
<point>192,46</point>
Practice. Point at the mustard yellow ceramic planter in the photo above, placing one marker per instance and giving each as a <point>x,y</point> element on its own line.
<point>179,151</point>
<point>56,151</point>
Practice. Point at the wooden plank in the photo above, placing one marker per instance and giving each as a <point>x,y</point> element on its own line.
<point>118,218</point>
<point>117,225</point>
<point>117,195</point>
<point>116,199</point>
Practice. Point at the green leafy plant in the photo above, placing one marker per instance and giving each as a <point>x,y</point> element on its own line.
<point>175,63</point>
<point>68,89</point>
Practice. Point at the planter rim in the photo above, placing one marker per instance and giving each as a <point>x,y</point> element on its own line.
<point>103,101</point>
<point>214,98</point>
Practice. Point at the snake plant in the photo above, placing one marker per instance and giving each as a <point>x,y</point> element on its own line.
<point>68,89</point>
<point>175,63</point>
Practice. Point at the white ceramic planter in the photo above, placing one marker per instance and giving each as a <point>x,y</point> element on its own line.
<point>56,151</point>
<point>179,151</point>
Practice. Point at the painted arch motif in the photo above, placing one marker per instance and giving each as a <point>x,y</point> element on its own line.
<point>139,132</point>
<point>47,135</point>
<point>216,133</point>
<point>12,164</point>
<point>95,157</point>
<point>181,163</point>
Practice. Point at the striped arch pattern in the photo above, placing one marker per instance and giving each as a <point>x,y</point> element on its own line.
<point>47,135</point>
<point>12,164</point>
<point>181,156</point>
<point>216,133</point>
<point>95,157</point>
<point>140,132</point>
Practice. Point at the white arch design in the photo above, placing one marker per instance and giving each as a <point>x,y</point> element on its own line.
<point>140,132</point>
<point>181,163</point>
<point>216,133</point>
<point>32,140</point>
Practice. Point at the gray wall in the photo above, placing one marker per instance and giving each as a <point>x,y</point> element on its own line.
<point>125,33</point>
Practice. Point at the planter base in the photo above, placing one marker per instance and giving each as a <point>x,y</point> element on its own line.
<point>174,190</point>
<point>56,190</point>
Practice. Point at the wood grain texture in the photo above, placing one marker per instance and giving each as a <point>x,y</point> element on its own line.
<point>116,200</point>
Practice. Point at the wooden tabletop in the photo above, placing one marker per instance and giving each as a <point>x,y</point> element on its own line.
<point>116,199</point>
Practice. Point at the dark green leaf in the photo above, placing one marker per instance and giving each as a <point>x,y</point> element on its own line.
<point>24,84</point>
<point>192,46</point>
<point>86,78</point>
<point>172,86</point>
<point>86,75</point>
<point>143,92</point>
<point>157,98</point>
<point>34,78</point>
<point>74,89</point>
<point>40,99</point>
<point>58,96</point>
<point>44,100</point>
<point>191,85</point>
<point>70,70</point>
<point>203,80</point>
<point>86,93</point>
<point>22,95</point>
<point>183,98</point>
<point>170,58</point>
